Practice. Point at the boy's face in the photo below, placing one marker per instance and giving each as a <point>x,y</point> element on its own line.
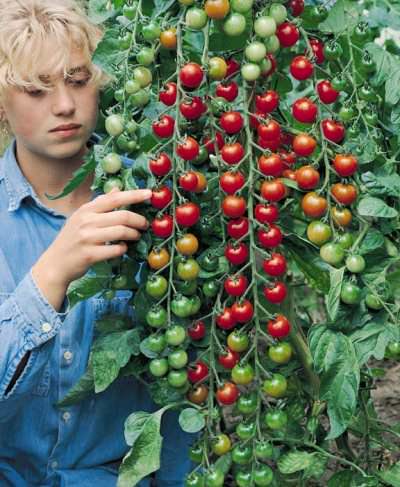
<point>35,115</point>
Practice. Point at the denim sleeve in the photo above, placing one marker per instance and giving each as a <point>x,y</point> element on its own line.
<point>175,461</point>
<point>27,321</point>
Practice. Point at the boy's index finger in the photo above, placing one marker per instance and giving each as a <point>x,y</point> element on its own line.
<point>115,199</point>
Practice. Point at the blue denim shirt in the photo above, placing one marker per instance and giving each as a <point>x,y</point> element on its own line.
<point>41,445</point>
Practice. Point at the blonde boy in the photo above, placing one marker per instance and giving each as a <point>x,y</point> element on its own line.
<point>49,92</point>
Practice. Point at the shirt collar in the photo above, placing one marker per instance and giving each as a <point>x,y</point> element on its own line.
<point>17,186</point>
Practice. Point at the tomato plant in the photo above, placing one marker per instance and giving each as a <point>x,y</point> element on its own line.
<point>268,133</point>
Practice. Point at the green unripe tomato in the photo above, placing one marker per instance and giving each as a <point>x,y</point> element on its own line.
<point>156,317</point>
<point>276,420</point>
<point>114,125</point>
<point>272,44</point>
<point>140,99</point>
<point>119,95</point>
<point>143,76</point>
<point>255,52</point>
<point>278,12</point>
<point>247,404</point>
<point>355,263</point>
<point>196,18</point>
<point>265,66</point>
<point>242,454</point>
<point>246,430</point>
<point>145,56</point>
<point>210,289</point>
<point>345,240</point>
<point>263,476</point>
<point>332,253</point>
<point>158,367</point>
<point>156,286</point>
<point>156,343</point>
<point>112,163</point>
<point>319,232</point>
<point>221,444</point>
<point>151,31</point>
<point>373,302</point>
<point>129,11</point>
<point>175,335</point>
<point>188,270</point>
<point>244,479</point>
<point>109,294</point>
<point>241,6</point>
<point>346,113</point>
<point>276,386</point>
<point>132,86</point>
<point>265,26</point>
<point>234,25</point>
<point>119,282</point>
<point>280,353</point>
<point>178,359</point>
<point>250,71</point>
<point>350,293</point>
<point>125,41</point>
<point>263,450</point>
<point>131,127</point>
<point>112,183</point>
<point>186,3</point>
<point>194,480</point>
<point>393,350</point>
<point>177,378</point>
<point>214,478</point>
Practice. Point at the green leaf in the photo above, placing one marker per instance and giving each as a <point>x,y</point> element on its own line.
<point>141,303</point>
<point>134,425</point>
<point>392,475</point>
<point>78,177</point>
<point>348,478</point>
<point>375,207</point>
<point>333,298</point>
<point>191,420</point>
<point>99,11</point>
<point>385,184</point>
<point>392,94</point>
<point>82,389</point>
<point>84,288</point>
<point>108,54</point>
<point>371,340</point>
<point>162,393</point>
<point>335,359</point>
<point>315,276</point>
<point>112,322</point>
<point>317,467</point>
<point>223,268</point>
<point>385,63</point>
<point>144,456</point>
<point>224,463</point>
<point>343,15</point>
<point>161,6</point>
<point>295,461</point>
<point>373,240</point>
<point>219,41</point>
<point>110,353</point>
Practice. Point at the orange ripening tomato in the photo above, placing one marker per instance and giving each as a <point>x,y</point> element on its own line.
<point>201,182</point>
<point>217,9</point>
<point>168,38</point>
<point>158,258</point>
<point>314,205</point>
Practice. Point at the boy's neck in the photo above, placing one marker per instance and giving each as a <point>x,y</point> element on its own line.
<point>51,175</point>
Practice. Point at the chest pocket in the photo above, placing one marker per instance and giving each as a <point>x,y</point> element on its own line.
<point>42,387</point>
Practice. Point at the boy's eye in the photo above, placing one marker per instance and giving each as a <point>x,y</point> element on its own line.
<point>80,82</point>
<point>34,92</point>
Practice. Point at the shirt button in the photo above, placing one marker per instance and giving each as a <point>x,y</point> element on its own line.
<point>66,416</point>
<point>54,464</point>
<point>46,327</point>
<point>68,355</point>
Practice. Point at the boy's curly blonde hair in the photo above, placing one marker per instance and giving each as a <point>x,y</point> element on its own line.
<point>27,25</point>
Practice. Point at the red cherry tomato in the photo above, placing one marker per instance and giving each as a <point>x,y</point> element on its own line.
<point>209,143</point>
<point>275,293</point>
<point>231,181</point>
<point>267,102</point>
<point>234,206</point>
<point>288,34</point>
<point>273,190</point>
<point>197,372</point>
<point>236,286</point>
<point>318,49</point>
<point>242,311</point>
<point>188,181</point>
<point>231,122</point>
<point>345,164</point>
<point>332,130</point>
<point>160,166</point>
<point>197,330</point>
<point>296,7</point>
<point>238,228</point>
<point>161,197</point>
<point>193,109</point>
<point>232,153</point>
<point>237,254</point>
<point>345,194</point>
<point>301,68</point>
<point>266,213</point>
<point>189,149</point>
<point>272,145</point>
<point>270,130</point>
<point>304,145</point>
<point>304,110</point>
<point>233,67</point>
<point>168,95</point>
<point>227,394</point>
<point>191,75</point>
<point>288,158</point>
<point>226,320</point>
<point>276,265</point>
<point>229,90</point>
<point>187,214</point>
<point>228,359</point>
<point>327,94</point>
<point>307,177</point>
<point>279,327</point>
<point>270,238</point>
<point>271,165</point>
<point>164,127</point>
<point>271,58</point>
<point>162,226</point>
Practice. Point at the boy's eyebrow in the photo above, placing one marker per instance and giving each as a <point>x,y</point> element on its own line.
<point>78,69</point>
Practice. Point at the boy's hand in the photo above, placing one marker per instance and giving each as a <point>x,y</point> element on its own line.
<point>82,241</point>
